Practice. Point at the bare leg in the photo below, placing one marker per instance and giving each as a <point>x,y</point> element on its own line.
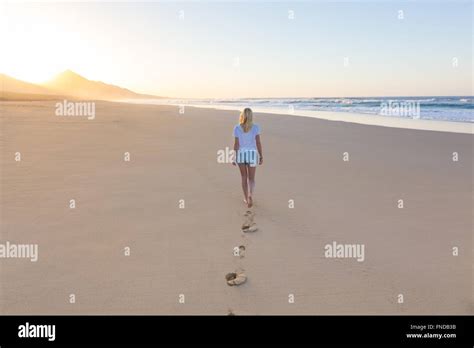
<point>244,176</point>
<point>251,185</point>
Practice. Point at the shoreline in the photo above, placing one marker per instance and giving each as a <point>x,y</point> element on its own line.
<point>348,117</point>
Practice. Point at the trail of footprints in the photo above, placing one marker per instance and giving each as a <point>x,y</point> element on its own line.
<point>239,277</point>
<point>249,225</point>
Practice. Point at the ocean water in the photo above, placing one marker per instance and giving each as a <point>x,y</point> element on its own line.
<point>455,109</point>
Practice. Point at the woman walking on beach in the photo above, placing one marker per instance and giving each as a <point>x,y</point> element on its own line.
<point>248,151</point>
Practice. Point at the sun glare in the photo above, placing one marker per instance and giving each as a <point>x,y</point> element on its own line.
<point>33,50</point>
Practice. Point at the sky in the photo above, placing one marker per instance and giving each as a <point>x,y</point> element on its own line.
<point>217,49</point>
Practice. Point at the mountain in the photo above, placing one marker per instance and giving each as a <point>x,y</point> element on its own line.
<point>11,85</point>
<point>70,83</point>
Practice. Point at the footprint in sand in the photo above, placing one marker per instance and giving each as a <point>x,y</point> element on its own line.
<point>249,214</point>
<point>236,278</point>
<point>249,225</point>
<point>251,228</point>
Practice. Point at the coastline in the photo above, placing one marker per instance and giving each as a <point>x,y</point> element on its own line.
<point>350,117</point>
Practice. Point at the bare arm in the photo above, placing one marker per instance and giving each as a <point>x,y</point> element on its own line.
<point>236,149</point>
<point>259,147</point>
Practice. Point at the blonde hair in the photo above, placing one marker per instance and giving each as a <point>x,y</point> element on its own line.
<point>246,119</point>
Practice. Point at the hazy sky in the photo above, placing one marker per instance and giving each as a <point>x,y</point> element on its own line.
<point>244,49</point>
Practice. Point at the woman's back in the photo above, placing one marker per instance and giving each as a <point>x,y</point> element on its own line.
<point>247,140</point>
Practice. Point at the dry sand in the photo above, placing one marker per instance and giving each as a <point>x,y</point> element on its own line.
<point>189,251</point>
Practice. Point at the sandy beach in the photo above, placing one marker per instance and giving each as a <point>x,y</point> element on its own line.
<point>187,250</point>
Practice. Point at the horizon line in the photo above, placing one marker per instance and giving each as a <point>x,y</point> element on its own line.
<point>250,98</point>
